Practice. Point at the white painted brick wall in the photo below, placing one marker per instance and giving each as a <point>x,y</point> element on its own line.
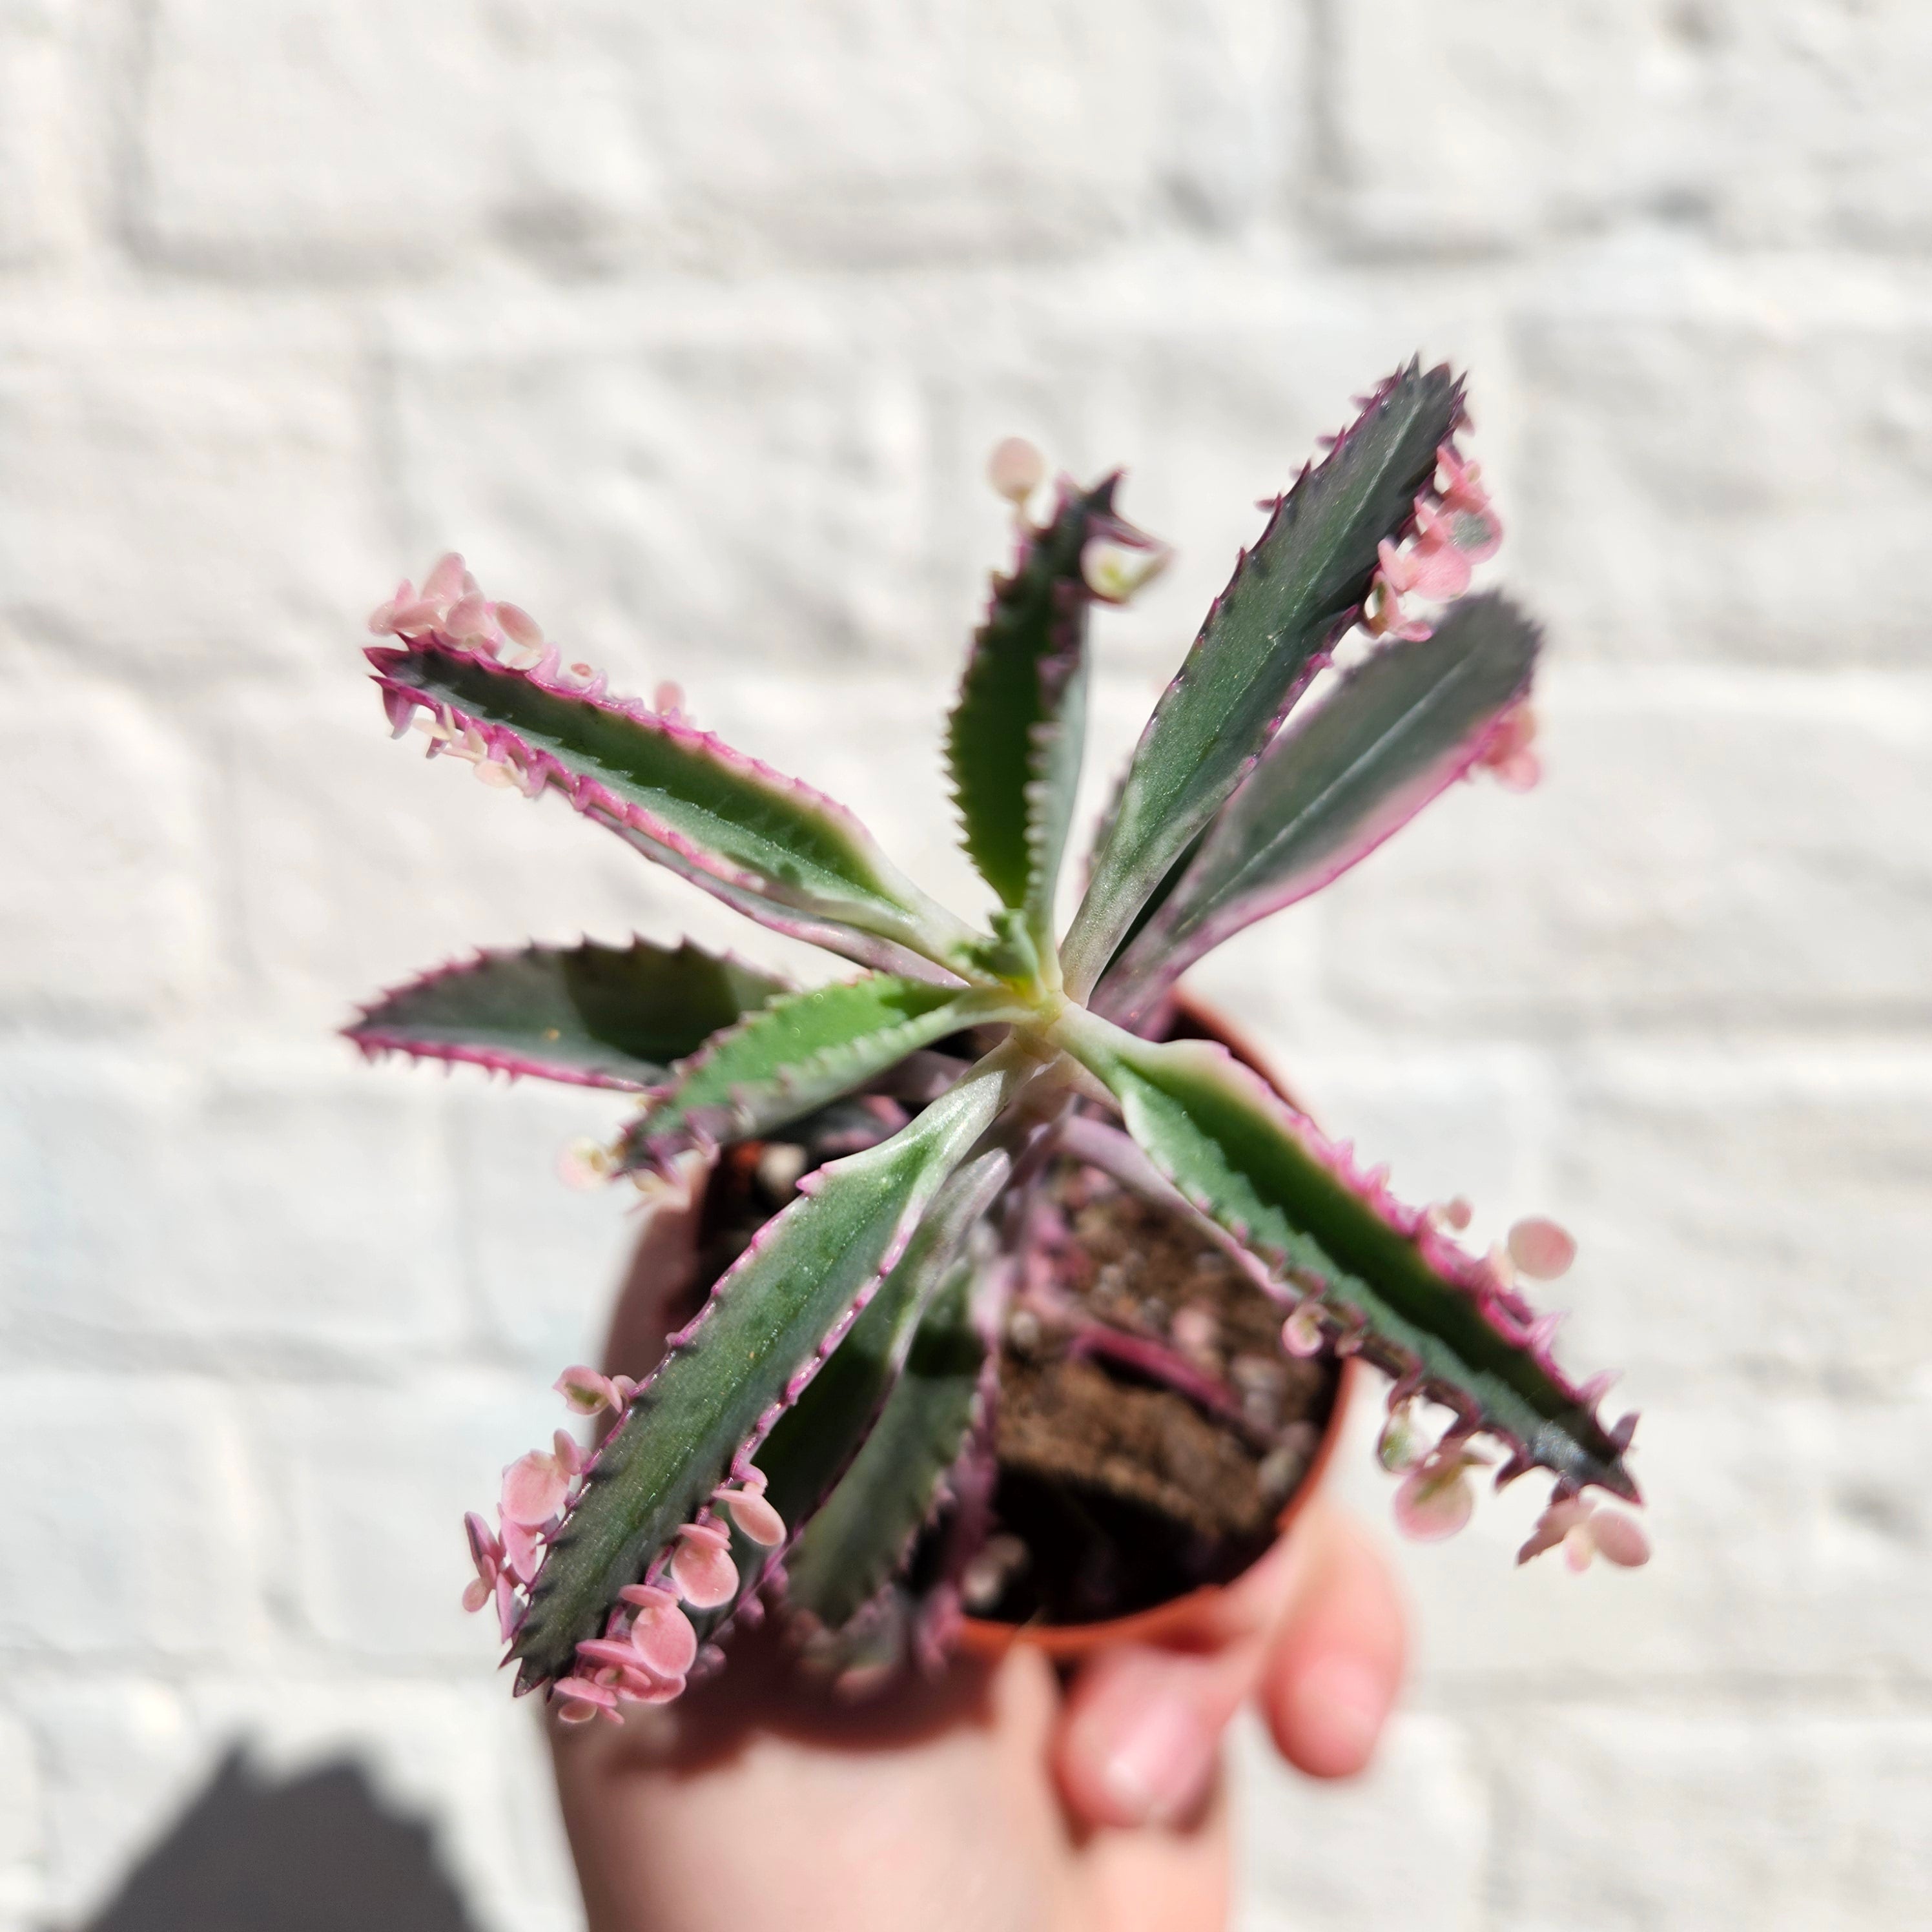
<point>692,326</point>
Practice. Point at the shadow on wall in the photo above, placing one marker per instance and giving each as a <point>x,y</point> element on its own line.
<point>320,1852</point>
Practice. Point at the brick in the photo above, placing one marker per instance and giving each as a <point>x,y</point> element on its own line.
<point>20,1800</point>
<point>754,502</point>
<point>301,137</point>
<point>120,1755</point>
<point>866,133</point>
<point>370,1487</point>
<point>105,907</point>
<point>129,1760</point>
<point>545,1260</point>
<point>1407,1842</point>
<point>1820,108</point>
<point>241,476</point>
<point>1790,1537</point>
<point>357,865</point>
<point>463,1760</point>
<point>135,1531</point>
<point>289,1203</point>
<point>1709,860</point>
<point>1454,127</point>
<point>1696,486</point>
<point>1786,1823</point>
<point>1444,1124</point>
<point>1760,1217</point>
<point>40,208</point>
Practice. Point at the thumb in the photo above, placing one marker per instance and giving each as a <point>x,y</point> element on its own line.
<point>1140,1731</point>
<point>1139,1736</point>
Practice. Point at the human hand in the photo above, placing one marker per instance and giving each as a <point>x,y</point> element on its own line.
<point>1001,1796</point>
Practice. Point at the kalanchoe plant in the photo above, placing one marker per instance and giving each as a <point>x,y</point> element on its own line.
<point>831,1394</point>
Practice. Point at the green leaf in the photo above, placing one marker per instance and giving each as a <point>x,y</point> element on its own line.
<point>592,1015</point>
<point>751,1350</point>
<point>811,1444</point>
<point>798,1051</point>
<point>812,1441</point>
<point>1290,597</point>
<point>851,1547</point>
<point>773,846</point>
<point>1229,1143</point>
<point>1398,729</point>
<point>1014,740</point>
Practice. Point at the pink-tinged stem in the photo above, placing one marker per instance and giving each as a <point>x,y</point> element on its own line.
<point>1119,1158</point>
<point>1160,1364</point>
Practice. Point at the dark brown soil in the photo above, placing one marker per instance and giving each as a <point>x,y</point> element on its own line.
<point>1117,1492</point>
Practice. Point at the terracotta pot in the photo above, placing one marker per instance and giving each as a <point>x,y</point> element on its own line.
<point>1192,1614</point>
<point>661,1270</point>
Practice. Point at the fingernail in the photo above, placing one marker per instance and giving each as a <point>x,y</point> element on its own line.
<point>1157,1769</point>
<point>1340,1708</point>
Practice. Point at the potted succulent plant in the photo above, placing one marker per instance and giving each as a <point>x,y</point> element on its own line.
<point>1024,1300</point>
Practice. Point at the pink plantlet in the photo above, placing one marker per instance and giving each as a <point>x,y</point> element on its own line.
<point>701,1566</point>
<point>605,1653</point>
<point>585,1164</point>
<point>519,627</point>
<point>569,1453</point>
<point>751,1513</point>
<point>661,1633</point>
<point>1400,573</point>
<point>1301,1334</point>
<point>1459,484</point>
<point>1434,568</point>
<point>447,580</point>
<point>471,621</point>
<point>586,1392</point>
<point>1400,1446</point>
<point>1541,1249</point>
<point>1435,1498</point>
<point>580,1699</point>
<point>415,620</point>
<point>523,1550</point>
<point>1477,534</point>
<point>1585,1530</point>
<point>1523,772</point>
<point>486,1552</point>
<point>382,619</point>
<point>635,1688</point>
<point>1455,1214</point>
<point>1383,616</point>
<point>1507,754</point>
<point>616,1664</point>
<point>535,1487</point>
<point>1116,572</point>
<point>1015,470</point>
<point>668,699</point>
<point>510,1607</point>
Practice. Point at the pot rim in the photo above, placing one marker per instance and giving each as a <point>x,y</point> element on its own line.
<point>985,1638</point>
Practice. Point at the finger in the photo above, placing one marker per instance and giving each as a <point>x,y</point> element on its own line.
<point>1139,1740</point>
<point>1335,1668</point>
